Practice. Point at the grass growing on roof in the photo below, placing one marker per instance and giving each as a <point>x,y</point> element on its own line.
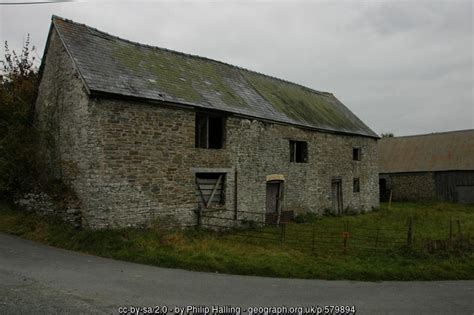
<point>233,253</point>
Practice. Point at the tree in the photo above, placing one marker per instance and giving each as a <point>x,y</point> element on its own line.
<point>387,135</point>
<point>18,139</point>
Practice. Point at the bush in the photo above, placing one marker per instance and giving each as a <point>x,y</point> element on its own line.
<point>307,218</point>
<point>18,137</point>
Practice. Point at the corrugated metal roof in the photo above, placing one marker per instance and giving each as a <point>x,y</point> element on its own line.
<point>109,64</point>
<point>445,151</point>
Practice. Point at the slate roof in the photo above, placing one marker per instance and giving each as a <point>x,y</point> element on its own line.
<point>445,151</point>
<point>115,66</point>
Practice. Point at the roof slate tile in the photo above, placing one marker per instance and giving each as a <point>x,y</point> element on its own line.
<point>117,66</point>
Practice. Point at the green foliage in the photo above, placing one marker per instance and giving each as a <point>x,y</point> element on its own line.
<point>18,90</point>
<point>232,252</point>
<point>387,135</point>
<point>307,218</point>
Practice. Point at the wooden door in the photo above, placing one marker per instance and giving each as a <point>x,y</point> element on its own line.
<point>273,202</point>
<point>337,196</point>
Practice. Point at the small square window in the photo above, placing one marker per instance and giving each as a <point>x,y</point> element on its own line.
<point>209,131</point>
<point>356,185</point>
<point>356,154</point>
<point>298,151</point>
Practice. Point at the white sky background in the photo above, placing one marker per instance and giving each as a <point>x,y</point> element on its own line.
<point>405,67</point>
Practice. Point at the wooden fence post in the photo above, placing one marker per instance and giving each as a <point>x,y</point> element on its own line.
<point>282,233</point>
<point>390,200</point>
<point>199,219</point>
<point>450,229</point>
<point>377,238</point>
<point>459,229</point>
<point>410,232</point>
<point>344,239</point>
<point>345,235</point>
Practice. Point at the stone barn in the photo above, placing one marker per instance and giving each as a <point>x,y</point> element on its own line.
<point>144,134</point>
<point>437,166</point>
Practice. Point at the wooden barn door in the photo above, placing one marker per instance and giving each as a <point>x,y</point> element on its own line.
<point>337,196</point>
<point>274,192</point>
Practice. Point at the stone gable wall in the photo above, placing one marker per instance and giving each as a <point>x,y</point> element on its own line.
<point>62,116</point>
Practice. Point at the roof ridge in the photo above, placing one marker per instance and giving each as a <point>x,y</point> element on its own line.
<point>324,93</point>
<point>430,134</point>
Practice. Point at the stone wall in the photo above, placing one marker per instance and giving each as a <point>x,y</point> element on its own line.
<point>43,204</point>
<point>62,115</point>
<point>146,164</point>
<point>412,186</point>
<point>134,163</point>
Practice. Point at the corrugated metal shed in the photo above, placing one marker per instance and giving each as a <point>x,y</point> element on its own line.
<point>445,151</point>
<point>116,66</point>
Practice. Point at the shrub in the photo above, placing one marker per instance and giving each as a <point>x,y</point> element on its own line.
<point>18,137</point>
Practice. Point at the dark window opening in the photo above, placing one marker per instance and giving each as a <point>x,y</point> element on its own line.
<point>209,131</point>
<point>298,151</point>
<point>210,189</point>
<point>383,184</point>
<point>356,185</point>
<point>356,154</point>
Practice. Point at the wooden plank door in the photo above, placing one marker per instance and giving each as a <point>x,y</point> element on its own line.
<point>273,200</point>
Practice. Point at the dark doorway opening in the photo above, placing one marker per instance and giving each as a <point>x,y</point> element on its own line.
<point>274,199</point>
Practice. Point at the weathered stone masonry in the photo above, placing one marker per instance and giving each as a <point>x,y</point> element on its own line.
<point>412,186</point>
<point>134,162</point>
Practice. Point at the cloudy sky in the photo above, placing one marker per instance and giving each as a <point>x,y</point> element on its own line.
<point>405,67</point>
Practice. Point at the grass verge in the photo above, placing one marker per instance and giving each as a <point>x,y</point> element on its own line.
<point>240,253</point>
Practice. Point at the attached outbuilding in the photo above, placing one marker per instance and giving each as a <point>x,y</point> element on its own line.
<point>437,166</point>
<point>144,134</point>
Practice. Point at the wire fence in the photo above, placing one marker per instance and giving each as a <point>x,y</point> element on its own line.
<point>342,238</point>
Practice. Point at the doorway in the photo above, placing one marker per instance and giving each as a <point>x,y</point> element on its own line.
<point>336,185</point>
<point>274,199</point>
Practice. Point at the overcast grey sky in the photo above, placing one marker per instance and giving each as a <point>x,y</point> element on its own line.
<point>405,67</point>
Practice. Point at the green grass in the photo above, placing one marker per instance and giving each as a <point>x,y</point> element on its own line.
<point>237,253</point>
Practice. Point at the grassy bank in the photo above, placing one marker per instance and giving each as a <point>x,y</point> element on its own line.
<point>376,247</point>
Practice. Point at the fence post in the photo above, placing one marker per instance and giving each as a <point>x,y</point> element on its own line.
<point>282,233</point>
<point>459,229</point>
<point>345,235</point>
<point>199,221</point>
<point>344,238</point>
<point>377,238</point>
<point>410,232</point>
<point>450,229</point>
<point>390,200</point>
<point>313,238</point>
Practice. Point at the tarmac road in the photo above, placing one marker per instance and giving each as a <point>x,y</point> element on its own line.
<point>35,278</point>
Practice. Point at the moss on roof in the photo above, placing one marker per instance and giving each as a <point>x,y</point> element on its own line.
<point>117,66</point>
<point>300,104</point>
<point>176,74</point>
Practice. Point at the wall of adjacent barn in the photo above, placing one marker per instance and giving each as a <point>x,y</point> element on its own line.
<point>423,186</point>
<point>412,186</point>
<point>448,183</point>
